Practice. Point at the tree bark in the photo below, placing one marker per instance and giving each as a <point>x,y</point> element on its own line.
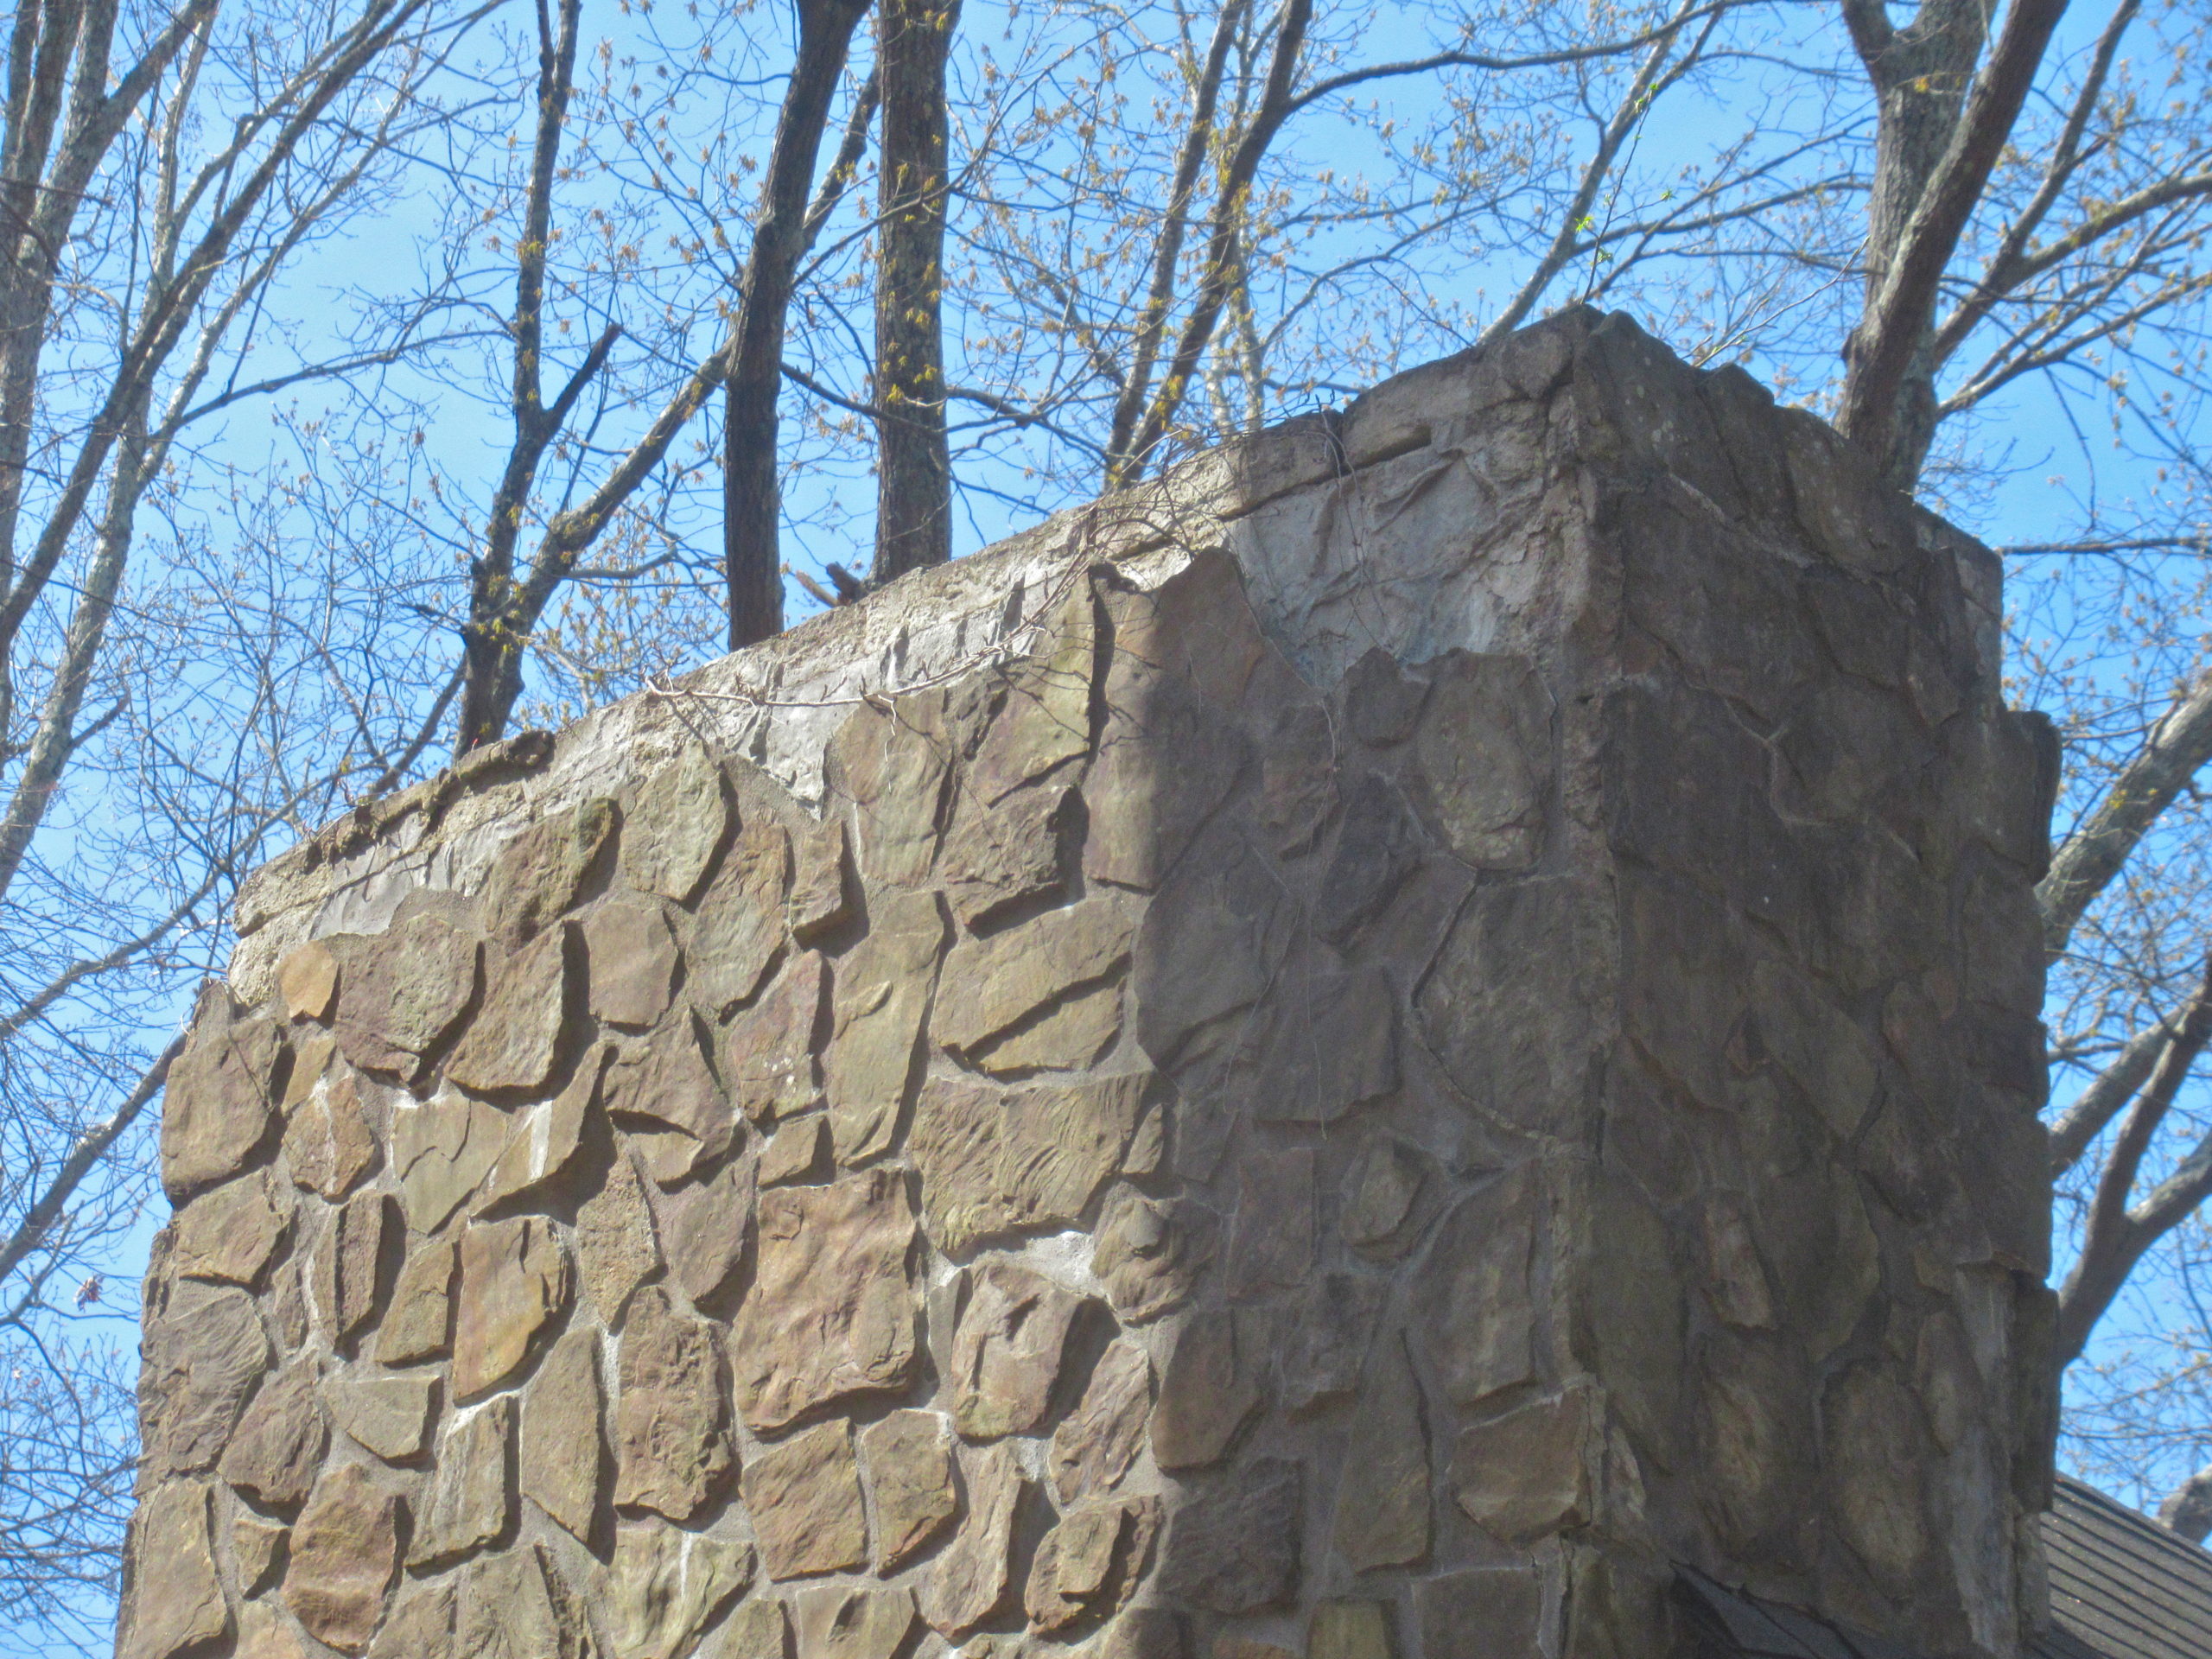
<point>913,468</point>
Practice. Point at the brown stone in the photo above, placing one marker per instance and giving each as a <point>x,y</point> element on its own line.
<point>803,1495</point>
<point>307,978</point>
<point>617,1248</point>
<point>1297,779</point>
<point>821,899</point>
<point>1527,1473</point>
<point>1071,1035</point>
<point>515,1285</point>
<point>312,1054</point>
<point>1235,1547</point>
<point>1271,1246</point>
<point>389,1416</point>
<point>889,760</point>
<point>1736,1281</point>
<point>909,1459</point>
<point>257,1547</point>
<point>998,858</point>
<point>831,1312</point>
<point>1476,1312</point>
<point>176,1600</point>
<point>345,1554</point>
<point>759,1629</point>
<point>1378,846</point>
<point>1150,1252</point>
<point>1383,1195</point>
<point>354,1265</point>
<point>796,1152</point>
<point>883,986</point>
<point>1818,1045</point>
<point>838,1621</point>
<point>1479,1612</point>
<point>1008,1349</point>
<point>1483,747</point>
<point>1096,1442</point>
<point>203,1356</point>
<point>540,874</point>
<point>1349,1629</point>
<point>1088,1565</point>
<point>514,1043</point>
<point>675,825</point>
<point>996,1161</point>
<point>992,984</point>
<point>969,1581</point>
<point>228,1235</point>
<point>631,954</point>
<point>280,1441</point>
<point>543,1139</point>
<point>667,1587</point>
<point>1143,1633</point>
<point>1629,1325</point>
<point>1877,1449</point>
<point>708,1227</point>
<point>666,1080</point>
<point>470,1501</point>
<point>740,926</point>
<point>401,992</point>
<point>515,1606</point>
<point>1227,1646</point>
<point>421,1625</point>
<point>1042,717</point>
<point>1327,1046</point>
<point>216,1110</point>
<point>1382,1503</point>
<point>420,1325</point>
<point>672,1446</point>
<point>328,1144</point>
<point>1216,1379</point>
<point>1325,1349</point>
<point>564,1460</point>
<point>441,1150</point>
<point>768,1053</point>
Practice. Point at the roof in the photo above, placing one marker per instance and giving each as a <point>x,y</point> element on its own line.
<point>2122,1587</point>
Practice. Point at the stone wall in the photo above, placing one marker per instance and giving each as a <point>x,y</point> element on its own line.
<point>1348,1055</point>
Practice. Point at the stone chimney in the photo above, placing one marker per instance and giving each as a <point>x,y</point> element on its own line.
<point>1365,1052</point>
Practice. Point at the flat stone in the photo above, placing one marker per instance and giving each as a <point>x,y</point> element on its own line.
<point>759,1629</point>
<point>821,899</point>
<point>1483,748</point>
<point>543,1139</point>
<point>838,1621</point>
<point>1349,1629</point>
<point>1328,1048</point>
<point>1088,1565</point>
<point>562,1465</point>
<point>345,1554</point>
<point>1297,779</point>
<point>632,957</point>
<point>1383,1194</point>
<point>1818,1045</point>
<point>421,1625</point>
<point>1215,1381</point>
<point>1325,1351</point>
<point>889,762</point>
<point>803,1495</point>
<point>353,1265</point>
<point>768,1053</point>
<point>1143,1633</point>
<point>1042,719</point>
<point>909,1459</point>
<point>970,1579</point>
<point>280,1441</point>
<point>992,984</point>
<point>831,1312</point>
<point>257,1547</point>
<point>1008,1349</point>
<point>514,1045</point>
<point>228,1235</point>
<point>617,1246</point>
<point>667,1587</point>
<point>539,875</point>
<point>515,1605</point>
<point>1476,1310</point>
<point>672,1445</point>
<point>795,1153</point>
<point>1096,1442</point>
<point>708,1227</point>
<point>389,1416</point>
<point>401,992</point>
<point>307,979</point>
<point>1226,1646</point>
<point>1478,1612</point>
<point>203,1356</point>
<point>1071,1035</point>
<point>1383,1502</point>
<point>470,1501</point>
<point>441,1150</point>
<point>1271,1244</point>
<point>997,858</point>
<point>996,1161</point>
<point>1379,845</point>
<point>515,1285</point>
<point>665,1079</point>
<point>1874,1442</point>
<point>740,926</point>
<point>883,986</point>
<point>420,1324</point>
<point>1150,1252</point>
<point>176,1600</point>
<point>216,1110</point>
<point>674,826</point>
<point>1526,1474</point>
<point>313,1054</point>
<point>1382,701</point>
<point>1235,1548</point>
<point>328,1145</point>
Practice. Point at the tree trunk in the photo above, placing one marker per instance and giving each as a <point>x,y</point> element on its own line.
<point>913,485</point>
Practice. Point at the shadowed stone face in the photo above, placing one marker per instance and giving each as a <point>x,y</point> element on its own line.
<point>1344,1056</point>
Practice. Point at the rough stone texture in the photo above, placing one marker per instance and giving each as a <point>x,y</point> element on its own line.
<point>1479,945</point>
<point>172,1556</point>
